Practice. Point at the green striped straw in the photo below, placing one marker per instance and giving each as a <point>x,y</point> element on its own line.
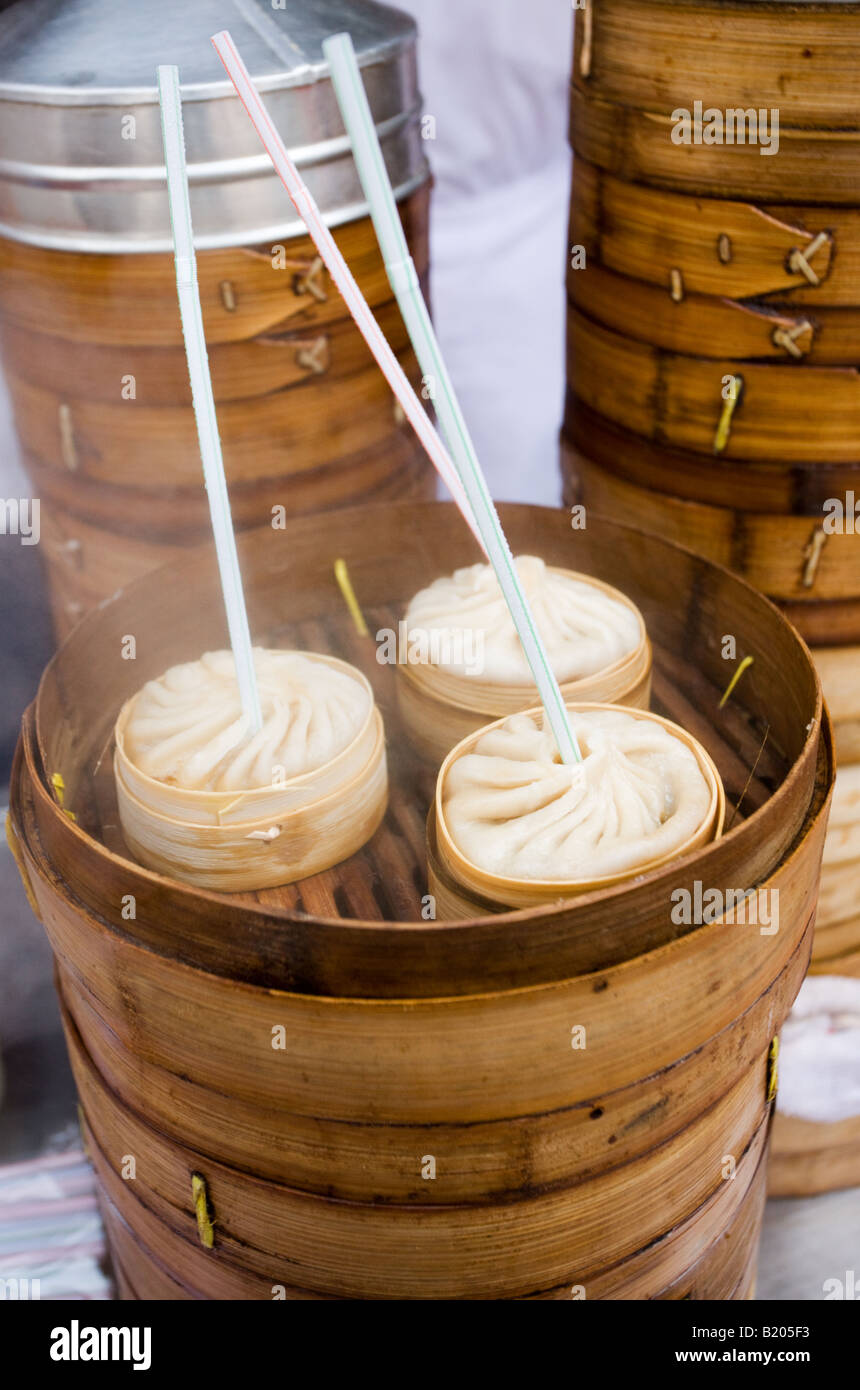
<point>188,292</point>
<point>403,277</point>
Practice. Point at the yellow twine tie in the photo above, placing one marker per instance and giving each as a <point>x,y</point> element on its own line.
<point>205,1224</point>
<point>772,1069</point>
<point>747,661</point>
<point>60,788</point>
<point>341,574</point>
<point>724,428</point>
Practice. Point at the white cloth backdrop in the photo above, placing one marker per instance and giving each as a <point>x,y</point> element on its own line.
<point>495,76</point>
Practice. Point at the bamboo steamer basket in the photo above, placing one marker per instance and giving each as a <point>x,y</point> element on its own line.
<point>791,254</point>
<point>765,486</point>
<point>401,1043</point>
<point>839,671</point>
<point>808,1158</point>
<point>678,399</point>
<point>221,840</point>
<point>88,310</point>
<point>730,54</point>
<point>778,554</point>
<point>471,887</point>
<point>836,948</point>
<point>702,326</point>
<point>439,709</point>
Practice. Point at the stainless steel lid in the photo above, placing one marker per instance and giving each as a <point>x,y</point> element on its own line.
<point>81,163</point>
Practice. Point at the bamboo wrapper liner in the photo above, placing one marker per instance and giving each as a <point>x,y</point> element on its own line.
<point>407,1038</point>
<point>439,709</point>
<point>211,839</point>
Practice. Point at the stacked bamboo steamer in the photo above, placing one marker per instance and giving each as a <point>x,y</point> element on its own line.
<point>329,1094</point>
<point>714,331</point>
<point>90,335</point>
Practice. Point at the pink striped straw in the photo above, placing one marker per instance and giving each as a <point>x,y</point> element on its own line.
<point>306,207</point>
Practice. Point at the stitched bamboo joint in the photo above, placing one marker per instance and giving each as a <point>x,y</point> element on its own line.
<point>812,555</point>
<point>205,1222</point>
<point>747,662</point>
<point>798,260</point>
<point>730,404</point>
<point>787,338</point>
<point>314,356</point>
<point>772,1069</point>
<point>341,574</point>
<point>310,282</point>
<point>67,439</point>
<point>587,35</point>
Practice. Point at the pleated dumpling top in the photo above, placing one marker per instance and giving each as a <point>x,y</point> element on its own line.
<point>514,810</point>
<point>186,729</point>
<point>585,627</point>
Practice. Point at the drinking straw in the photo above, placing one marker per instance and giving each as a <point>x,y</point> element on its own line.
<point>201,392</point>
<point>481,511</point>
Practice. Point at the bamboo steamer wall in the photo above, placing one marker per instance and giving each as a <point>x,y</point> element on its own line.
<point>714,331</point>
<point>90,334</point>
<point>408,1042</point>
<point>307,421</point>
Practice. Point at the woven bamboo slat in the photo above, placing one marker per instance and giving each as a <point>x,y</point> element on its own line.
<point>715,246</point>
<point>800,58</point>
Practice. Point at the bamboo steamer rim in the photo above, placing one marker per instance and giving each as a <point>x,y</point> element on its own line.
<point>507,889</point>
<point>461,690</point>
<point>216,800</point>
